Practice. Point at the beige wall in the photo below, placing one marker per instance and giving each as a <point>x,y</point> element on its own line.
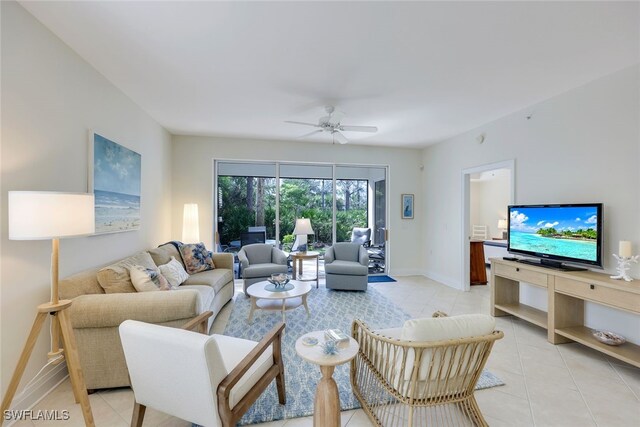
<point>50,99</point>
<point>582,146</point>
<point>193,182</point>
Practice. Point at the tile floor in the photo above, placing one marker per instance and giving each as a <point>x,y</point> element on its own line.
<point>546,385</point>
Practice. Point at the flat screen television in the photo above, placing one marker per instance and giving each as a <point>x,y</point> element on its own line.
<point>557,233</point>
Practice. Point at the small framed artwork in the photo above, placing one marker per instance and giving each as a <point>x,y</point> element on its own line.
<point>407,206</point>
<point>114,178</point>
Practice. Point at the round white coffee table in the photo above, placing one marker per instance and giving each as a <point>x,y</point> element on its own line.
<point>283,301</point>
<point>327,403</point>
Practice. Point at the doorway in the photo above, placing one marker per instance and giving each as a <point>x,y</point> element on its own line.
<point>483,211</point>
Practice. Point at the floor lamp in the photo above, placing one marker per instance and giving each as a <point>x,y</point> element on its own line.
<point>43,215</point>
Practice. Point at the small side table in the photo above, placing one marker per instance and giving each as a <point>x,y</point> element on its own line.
<point>327,403</point>
<point>297,258</point>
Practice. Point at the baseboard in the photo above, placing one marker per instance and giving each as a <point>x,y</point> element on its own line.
<point>445,280</point>
<point>29,397</point>
<point>406,272</point>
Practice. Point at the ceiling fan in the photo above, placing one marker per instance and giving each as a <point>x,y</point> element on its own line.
<point>331,123</point>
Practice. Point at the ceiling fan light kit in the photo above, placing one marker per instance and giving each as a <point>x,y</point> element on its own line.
<point>331,123</point>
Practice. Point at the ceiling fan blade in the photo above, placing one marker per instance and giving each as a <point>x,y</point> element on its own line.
<point>311,133</point>
<point>337,136</point>
<point>370,129</point>
<point>302,123</point>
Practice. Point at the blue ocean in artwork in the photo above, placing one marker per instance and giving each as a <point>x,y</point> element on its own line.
<point>116,184</point>
<point>116,211</point>
<point>582,249</point>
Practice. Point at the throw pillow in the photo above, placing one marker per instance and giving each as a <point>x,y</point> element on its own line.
<point>115,278</point>
<point>174,272</point>
<point>148,279</point>
<point>196,258</point>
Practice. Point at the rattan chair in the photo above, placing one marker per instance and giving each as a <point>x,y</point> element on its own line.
<point>411,383</point>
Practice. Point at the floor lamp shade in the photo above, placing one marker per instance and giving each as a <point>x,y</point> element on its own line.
<point>41,215</point>
<point>190,224</point>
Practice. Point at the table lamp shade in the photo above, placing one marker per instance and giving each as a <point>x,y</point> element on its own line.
<point>190,225</point>
<point>502,224</point>
<point>303,227</point>
<point>40,215</point>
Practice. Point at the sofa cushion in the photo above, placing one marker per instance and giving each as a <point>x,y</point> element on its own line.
<point>205,298</point>
<point>196,258</point>
<point>174,272</point>
<point>115,278</point>
<point>148,279</point>
<point>347,251</point>
<point>163,253</point>
<point>215,279</point>
<point>263,270</point>
<point>83,283</point>
<point>346,268</point>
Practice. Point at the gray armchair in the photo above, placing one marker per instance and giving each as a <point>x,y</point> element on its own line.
<point>346,266</point>
<point>259,261</point>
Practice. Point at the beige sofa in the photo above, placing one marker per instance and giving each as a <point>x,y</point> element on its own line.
<point>96,315</point>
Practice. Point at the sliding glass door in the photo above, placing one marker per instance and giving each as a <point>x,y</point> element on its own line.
<point>260,201</point>
<point>246,199</point>
<point>306,191</point>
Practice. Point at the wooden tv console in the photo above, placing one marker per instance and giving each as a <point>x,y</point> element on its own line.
<point>566,291</point>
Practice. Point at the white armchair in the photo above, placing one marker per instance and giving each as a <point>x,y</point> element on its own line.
<point>207,380</point>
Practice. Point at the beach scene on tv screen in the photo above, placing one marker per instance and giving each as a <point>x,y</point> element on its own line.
<point>563,231</point>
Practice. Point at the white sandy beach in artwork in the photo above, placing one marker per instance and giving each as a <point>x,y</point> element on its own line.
<point>116,212</point>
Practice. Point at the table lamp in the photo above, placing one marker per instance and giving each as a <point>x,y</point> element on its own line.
<point>301,230</point>
<point>502,225</point>
<point>190,224</point>
<point>45,215</point>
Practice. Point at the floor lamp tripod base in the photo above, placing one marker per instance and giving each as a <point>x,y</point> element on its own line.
<point>61,322</point>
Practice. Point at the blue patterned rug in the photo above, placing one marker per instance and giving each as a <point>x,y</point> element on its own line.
<point>329,309</point>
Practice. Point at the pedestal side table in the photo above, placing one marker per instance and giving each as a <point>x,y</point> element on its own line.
<point>327,403</point>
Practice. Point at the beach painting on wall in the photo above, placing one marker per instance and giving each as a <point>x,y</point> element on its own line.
<point>114,178</point>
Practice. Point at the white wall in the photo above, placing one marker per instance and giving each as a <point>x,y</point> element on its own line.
<point>50,99</point>
<point>489,198</point>
<point>581,146</point>
<point>193,182</point>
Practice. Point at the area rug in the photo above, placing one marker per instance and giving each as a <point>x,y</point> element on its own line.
<point>329,309</point>
<point>381,279</point>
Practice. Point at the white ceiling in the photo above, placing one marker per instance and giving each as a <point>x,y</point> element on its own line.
<point>421,72</point>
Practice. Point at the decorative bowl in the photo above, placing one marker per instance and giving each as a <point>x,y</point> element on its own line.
<point>279,280</point>
<point>609,338</point>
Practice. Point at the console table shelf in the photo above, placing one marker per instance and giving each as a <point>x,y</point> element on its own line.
<point>627,352</point>
<point>525,312</point>
<point>566,294</point>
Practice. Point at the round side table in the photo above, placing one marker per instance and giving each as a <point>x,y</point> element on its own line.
<point>298,257</point>
<point>327,403</point>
